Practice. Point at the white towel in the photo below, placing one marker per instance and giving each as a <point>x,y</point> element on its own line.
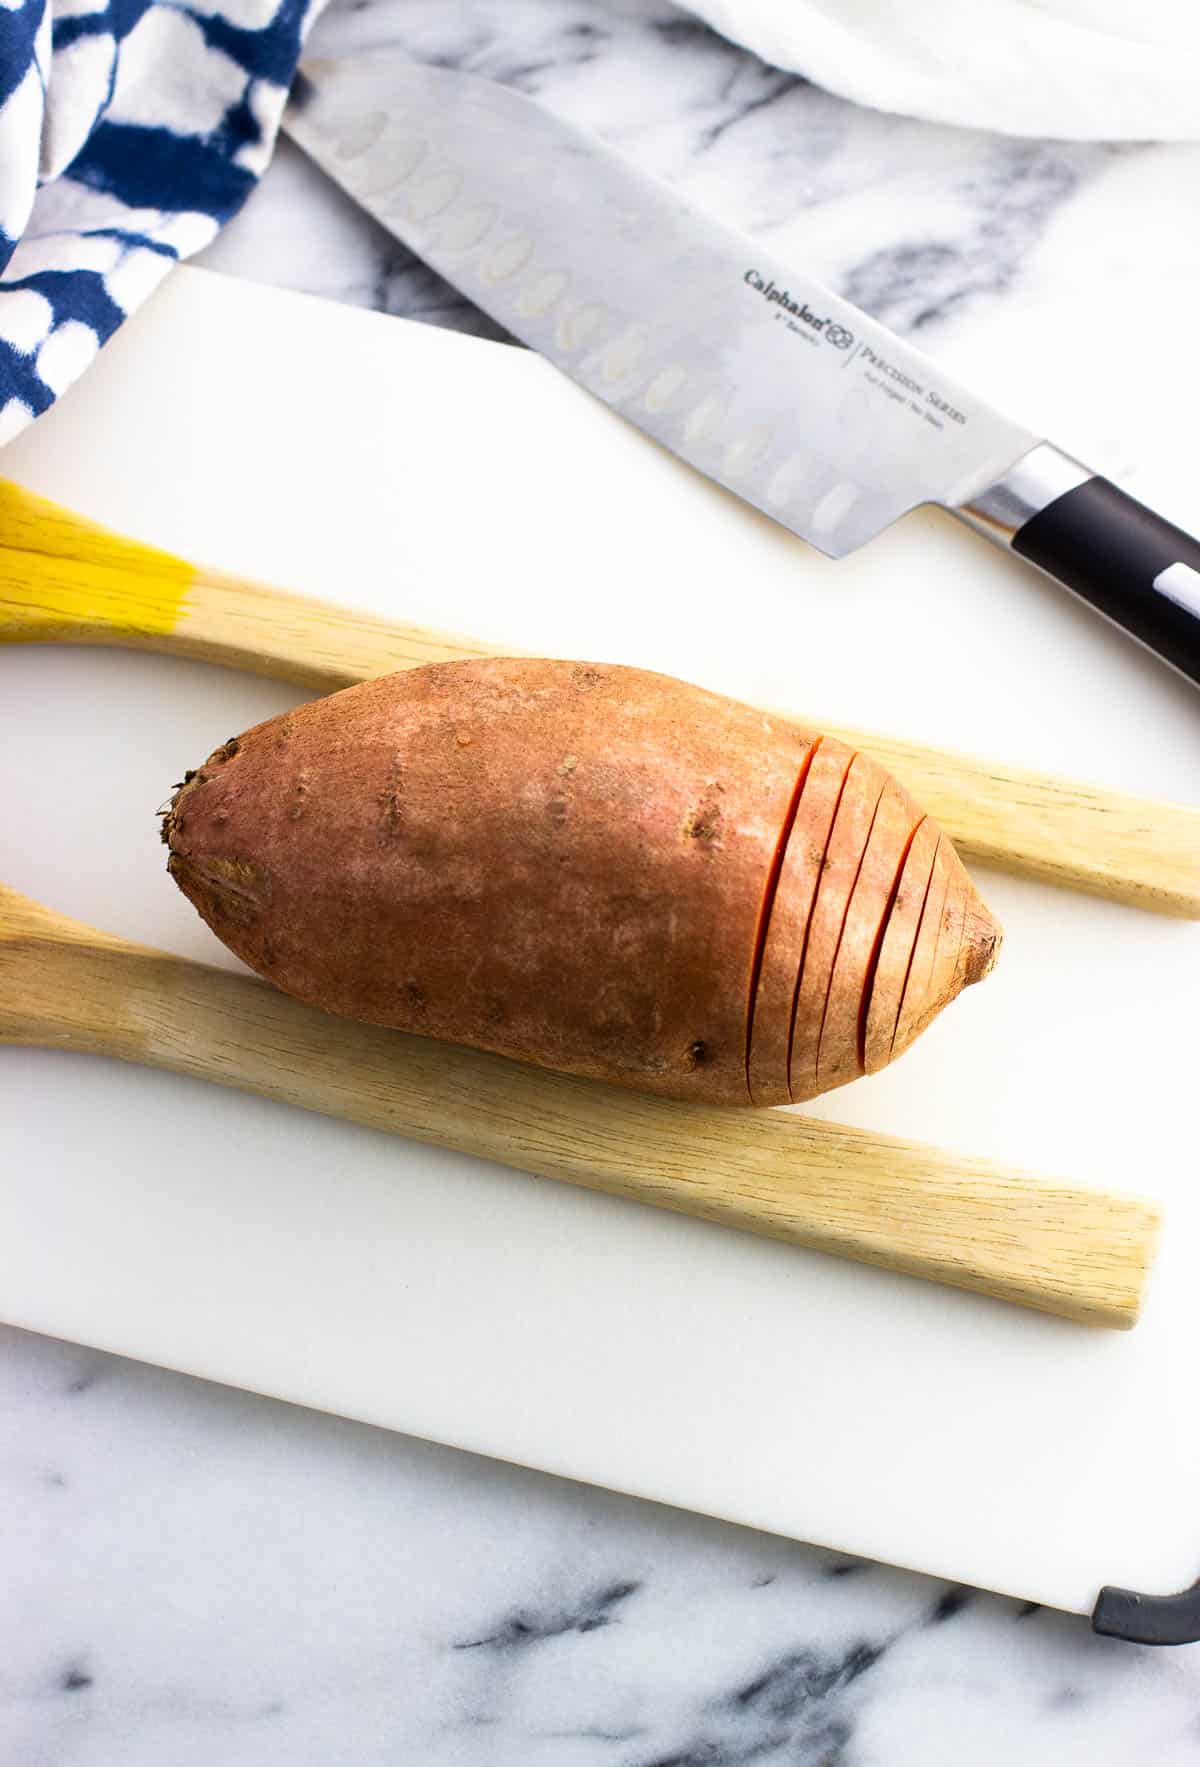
<point>1105,70</point>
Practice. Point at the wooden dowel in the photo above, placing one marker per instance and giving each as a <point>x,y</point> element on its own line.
<point>62,578</point>
<point>1042,1243</point>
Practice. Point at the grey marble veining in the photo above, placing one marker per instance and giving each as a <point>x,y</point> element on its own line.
<point>192,1577</point>
<point>952,214</point>
<point>198,1577</point>
<point>977,242</point>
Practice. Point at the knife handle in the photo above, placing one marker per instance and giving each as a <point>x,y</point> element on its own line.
<point>1131,565</point>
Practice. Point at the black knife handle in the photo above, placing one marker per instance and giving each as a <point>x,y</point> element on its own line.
<point>1130,564</point>
<point>1139,570</point>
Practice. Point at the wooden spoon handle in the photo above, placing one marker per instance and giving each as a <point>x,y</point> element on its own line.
<point>66,579</point>
<point>1052,1245</point>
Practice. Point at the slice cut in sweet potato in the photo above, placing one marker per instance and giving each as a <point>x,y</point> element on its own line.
<point>898,949</point>
<point>957,945</point>
<point>839,1058</point>
<point>783,950</point>
<point>863,789</point>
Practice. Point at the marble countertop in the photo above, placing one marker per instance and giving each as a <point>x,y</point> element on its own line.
<point>200,1577</point>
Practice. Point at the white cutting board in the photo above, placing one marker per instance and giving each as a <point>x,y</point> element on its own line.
<point>454,482</point>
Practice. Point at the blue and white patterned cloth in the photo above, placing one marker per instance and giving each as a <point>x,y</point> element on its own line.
<point>130,131</point>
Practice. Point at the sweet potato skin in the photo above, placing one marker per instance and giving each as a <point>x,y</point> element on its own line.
<point>588,867</point>
<point>564,863</point>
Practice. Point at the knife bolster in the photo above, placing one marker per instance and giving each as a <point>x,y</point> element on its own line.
<point>1038,479</point>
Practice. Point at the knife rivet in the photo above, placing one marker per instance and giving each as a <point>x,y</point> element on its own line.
<point>542,293</point>
<point>507,258</point>
<point>357,136</point>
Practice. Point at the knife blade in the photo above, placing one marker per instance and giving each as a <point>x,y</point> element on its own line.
<point>741,364</point>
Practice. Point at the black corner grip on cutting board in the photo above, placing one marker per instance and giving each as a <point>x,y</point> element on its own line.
<point>1148,1619</point>
<point>1130,564</point>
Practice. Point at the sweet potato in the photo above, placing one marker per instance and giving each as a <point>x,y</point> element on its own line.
<point>596,869</point>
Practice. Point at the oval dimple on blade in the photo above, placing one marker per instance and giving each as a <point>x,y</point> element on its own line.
<point>433,195</point>
<point>359,134</point>
<point>834,507</point>
<point>742,453</point>
<point>466,229</point>
<point>542,293</point>
<point>581,326</point>
<point>393,163</point>
<point>624,355</point>
<point>706,419</point>
<point>787,480</point>
<point>667,385</point>
<point>506,257</point>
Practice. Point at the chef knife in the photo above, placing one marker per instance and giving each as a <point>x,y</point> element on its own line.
<point>740,363</point>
